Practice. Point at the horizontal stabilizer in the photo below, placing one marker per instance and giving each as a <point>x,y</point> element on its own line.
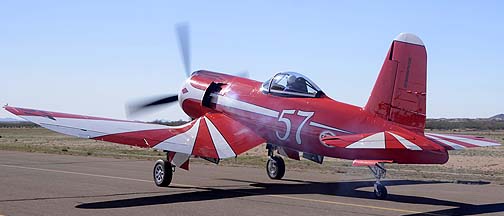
<point>458,142</point>
<point>382,140</point>
<point>394,140</point>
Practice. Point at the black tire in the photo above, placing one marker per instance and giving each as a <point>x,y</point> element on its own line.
<point>162,173</point>
<point>275,167</point>
<point>380,191</point>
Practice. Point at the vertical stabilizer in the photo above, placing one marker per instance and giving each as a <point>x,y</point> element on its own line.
<point>399,93</point>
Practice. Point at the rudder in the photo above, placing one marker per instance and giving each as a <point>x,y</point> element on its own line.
<point>399,94</point>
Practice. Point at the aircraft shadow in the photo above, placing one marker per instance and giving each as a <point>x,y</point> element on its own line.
<point>344,189</point>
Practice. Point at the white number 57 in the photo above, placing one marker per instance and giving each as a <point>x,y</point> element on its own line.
<point>288,126</point>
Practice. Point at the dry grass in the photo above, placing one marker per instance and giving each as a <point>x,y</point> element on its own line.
<point>42,140</point>
<point>479,164</point>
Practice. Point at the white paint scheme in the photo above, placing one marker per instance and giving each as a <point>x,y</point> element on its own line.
<point>307,116</point>
<point>406,143</point>
<point>90,128</point>
<point>409,38</point>
<point>221,145</point>
<point>468,140</point>
<point>315,124</point>
<point>179,159</point>
<point>287,123</point>
<point>183,142</point>
<point>453,145</point>
<point>244,106</point>
<point>324,134</point>
<point>192,93</point>
<point>73,131</point>
<point>375,141</point>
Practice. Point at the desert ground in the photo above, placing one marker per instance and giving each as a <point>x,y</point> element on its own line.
<point>45,173</point>
<point>470,165</point>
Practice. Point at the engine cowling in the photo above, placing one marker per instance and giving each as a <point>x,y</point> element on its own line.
<point>196,93</point>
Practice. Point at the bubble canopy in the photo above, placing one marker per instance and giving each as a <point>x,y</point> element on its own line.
<point>291,84</point>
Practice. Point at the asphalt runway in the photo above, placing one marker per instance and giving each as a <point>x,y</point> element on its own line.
<point>45,184</point>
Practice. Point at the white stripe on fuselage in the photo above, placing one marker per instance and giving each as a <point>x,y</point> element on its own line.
<point>315,124</point>
<point>244,106</point>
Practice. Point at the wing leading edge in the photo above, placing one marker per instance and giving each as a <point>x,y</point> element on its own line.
<point>213,136</point>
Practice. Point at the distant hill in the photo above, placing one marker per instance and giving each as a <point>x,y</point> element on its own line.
<point>497,117</point>
<point>493,123</point>
<point>15,123</point>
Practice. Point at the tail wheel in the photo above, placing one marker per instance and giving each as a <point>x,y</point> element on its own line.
<point>162,173</point>
<point>275,167</point>
<point>380,191</point>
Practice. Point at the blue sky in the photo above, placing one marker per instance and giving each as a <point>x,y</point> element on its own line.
<point>91,57</point>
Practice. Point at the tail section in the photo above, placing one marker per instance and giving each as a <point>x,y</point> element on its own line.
<point>399,93</point>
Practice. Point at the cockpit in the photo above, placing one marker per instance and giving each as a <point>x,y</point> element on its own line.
<point>291,84</point>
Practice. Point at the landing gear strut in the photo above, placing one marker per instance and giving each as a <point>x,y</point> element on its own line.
<point>275,167</point>
<point>163,173</point>
<point>379,172</point>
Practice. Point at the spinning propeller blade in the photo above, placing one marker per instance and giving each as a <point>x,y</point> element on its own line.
<point>182,31</point>
<point>183,36</point>
<point>135,108</point>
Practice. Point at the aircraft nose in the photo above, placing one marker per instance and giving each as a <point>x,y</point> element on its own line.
<point>183,93</point>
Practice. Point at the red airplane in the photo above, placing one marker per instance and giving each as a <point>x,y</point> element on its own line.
<point>290,113</point>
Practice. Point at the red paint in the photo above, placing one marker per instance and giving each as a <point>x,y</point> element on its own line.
<point>239,137</point>
<point>145,138</point>
<point>185,165</point>
<point>203,146</point>
<point>32,112</point>
<point>399,94</point>
<point>392,143</point>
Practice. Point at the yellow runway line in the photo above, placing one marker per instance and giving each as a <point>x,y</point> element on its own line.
<point>352,204</point>
<point>193,186</point>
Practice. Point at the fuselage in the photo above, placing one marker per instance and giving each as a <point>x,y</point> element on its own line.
<point>294,123</point>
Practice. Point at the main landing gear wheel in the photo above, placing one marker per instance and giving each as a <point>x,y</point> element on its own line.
<point>275,167</point>
<point>162,173</point>
<point>379,172</point>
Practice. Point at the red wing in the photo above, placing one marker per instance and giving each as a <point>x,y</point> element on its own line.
<point>214,135</point>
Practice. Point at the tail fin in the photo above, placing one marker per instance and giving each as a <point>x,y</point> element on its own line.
<point>400,91</point>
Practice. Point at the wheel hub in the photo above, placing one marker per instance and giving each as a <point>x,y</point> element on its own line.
<point>159,173</point>
<point>273,168</point>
